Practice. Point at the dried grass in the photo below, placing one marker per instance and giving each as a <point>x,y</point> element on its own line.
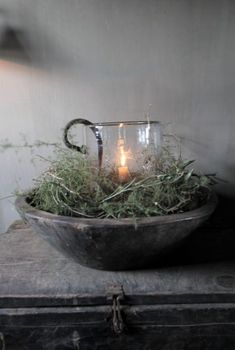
<point>73,186</point>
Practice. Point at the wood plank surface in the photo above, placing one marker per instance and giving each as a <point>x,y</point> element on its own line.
<point>34,274</point>
<point>175,327</point>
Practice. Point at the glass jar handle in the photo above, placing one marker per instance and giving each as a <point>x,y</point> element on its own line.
<point>81,149</point>
<point>66,130</point>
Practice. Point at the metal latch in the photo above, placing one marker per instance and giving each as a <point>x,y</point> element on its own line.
<point>2,342</point>
<point>115,294</point>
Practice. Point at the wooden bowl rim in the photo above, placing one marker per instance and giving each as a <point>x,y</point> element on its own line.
<point>28,211</point>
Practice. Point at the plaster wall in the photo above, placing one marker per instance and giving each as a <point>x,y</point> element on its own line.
<point>109,60</point>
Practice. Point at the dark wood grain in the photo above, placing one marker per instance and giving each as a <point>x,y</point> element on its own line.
<point>48,302</point>
<point>33,273</point>
<point>160,327</point>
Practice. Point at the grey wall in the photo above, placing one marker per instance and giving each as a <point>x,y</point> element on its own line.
<point>110,59</point>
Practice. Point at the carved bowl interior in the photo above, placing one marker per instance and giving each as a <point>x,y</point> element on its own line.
<point>111,244</point>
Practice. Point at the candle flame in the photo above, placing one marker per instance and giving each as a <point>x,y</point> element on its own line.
<point>122,157</point>
<point>121,154</point>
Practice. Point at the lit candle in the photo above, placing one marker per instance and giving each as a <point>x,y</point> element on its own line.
<point>123,171</point>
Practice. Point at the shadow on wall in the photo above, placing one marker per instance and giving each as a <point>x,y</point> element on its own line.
<point>24,44</point>
<point>212,242</point>
<point>13,47</point>
<point>224,214</point>
<point>228,187</point>
<point>14,42</point>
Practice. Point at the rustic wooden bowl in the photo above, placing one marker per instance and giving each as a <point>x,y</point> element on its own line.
<point>110,244</point>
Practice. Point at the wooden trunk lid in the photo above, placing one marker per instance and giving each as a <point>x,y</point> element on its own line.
<point>34,274</point>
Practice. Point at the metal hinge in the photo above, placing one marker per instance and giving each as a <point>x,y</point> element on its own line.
<point>115,294</point>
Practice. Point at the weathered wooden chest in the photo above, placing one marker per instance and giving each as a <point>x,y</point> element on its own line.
<point>49,302</point>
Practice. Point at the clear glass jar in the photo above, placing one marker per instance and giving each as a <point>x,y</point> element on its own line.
<point>126,147</point>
